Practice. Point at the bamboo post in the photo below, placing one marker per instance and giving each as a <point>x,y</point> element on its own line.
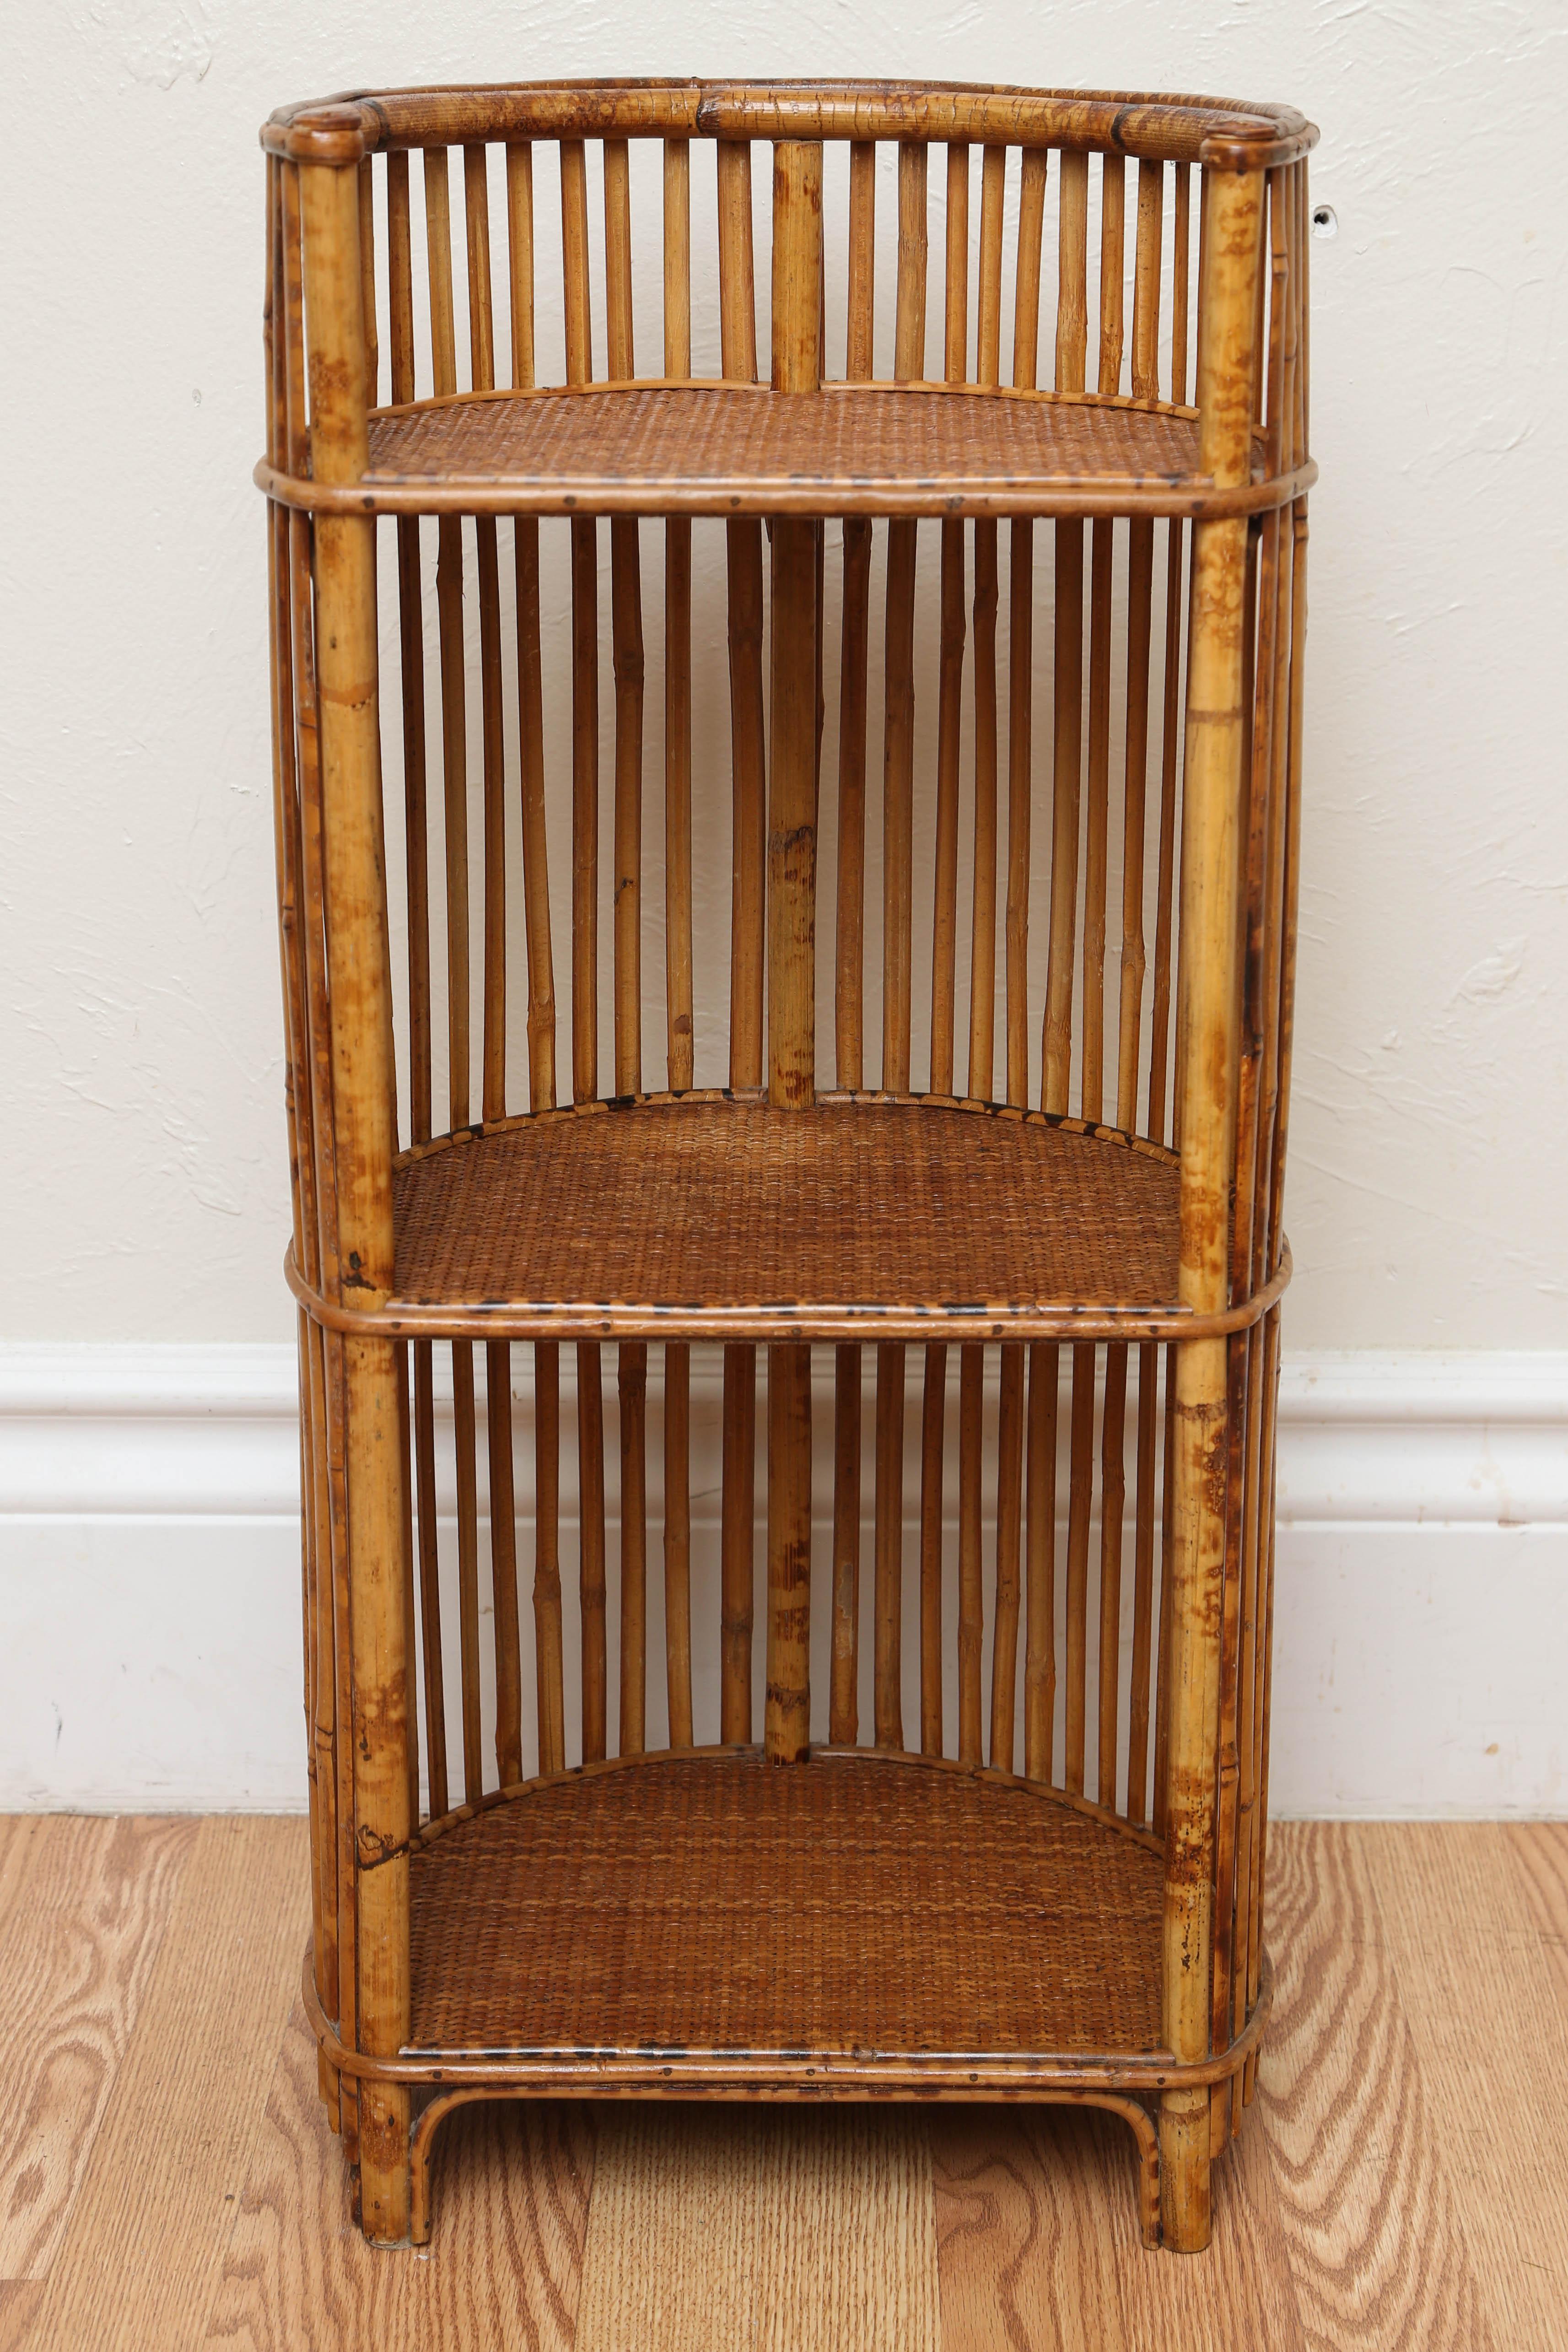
<point>1039,1544</point>
<point>632,1384</point>
<point>791,931</point>
<point>1009,1516</point>
<point>843,1721</point>
<point>361,1016</point>
<point>1213,766</point>
<point>932,1450</point>
<point>678,1541</point>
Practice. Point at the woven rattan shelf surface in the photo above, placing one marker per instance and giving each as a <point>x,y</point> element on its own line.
<point>846,1905</point>
<point>730,448</point>
<point>712,1203</point>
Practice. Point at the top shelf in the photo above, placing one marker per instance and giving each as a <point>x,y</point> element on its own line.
<point>717,449</point>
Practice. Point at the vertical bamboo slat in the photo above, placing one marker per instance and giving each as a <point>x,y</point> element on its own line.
<point>626,636</point>
<point>632,1385</point>
<point>1071,347</point>
<point>739,1506</point>
<point>1214,751</point>
<point>1010,1530</point>
<point>971,1602</point>
<point>1080,1503</point>
<point>1112,1499</point>
<point>888,1597</point>
<point>591,1551</point>
<point>504,1563</point>
<point>932,1444</point>
<point>548,1668</point>
<point>678,1543</point>
<point>1040,1543</point>
<point>843,1721</point>
<point>364,1121</point>
<point>678,642</point>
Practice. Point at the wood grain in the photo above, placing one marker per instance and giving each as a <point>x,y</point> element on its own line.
<point>510,2208</point>
<point>1494,2065</point>
<point>1374,2234</point>
<point>88,1904</point>
<point>141,2255</point>
<point>722,2228</point>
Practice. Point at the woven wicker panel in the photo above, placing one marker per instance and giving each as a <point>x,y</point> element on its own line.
<point>669,435</point>
<point>732,1203</point>
<point>722,1903</point>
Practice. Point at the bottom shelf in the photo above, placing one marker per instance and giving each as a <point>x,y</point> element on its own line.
<point>857,1912</point>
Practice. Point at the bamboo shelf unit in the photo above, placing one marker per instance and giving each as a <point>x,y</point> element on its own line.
<point>938,1760</point>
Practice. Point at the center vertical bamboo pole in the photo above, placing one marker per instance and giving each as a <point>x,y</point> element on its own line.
<point>1208,1018</point>
<point>791,932</point>
<point>363,1109</point>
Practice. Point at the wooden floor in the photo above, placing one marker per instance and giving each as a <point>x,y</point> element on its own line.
<point>166,2179</point>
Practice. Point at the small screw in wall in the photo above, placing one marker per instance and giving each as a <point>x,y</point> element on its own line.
<point>1325,221</point>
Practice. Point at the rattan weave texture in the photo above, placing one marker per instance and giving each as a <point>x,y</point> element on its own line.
<point>737,1203</point>
<point>848,1904</point>
<point>859,435</point>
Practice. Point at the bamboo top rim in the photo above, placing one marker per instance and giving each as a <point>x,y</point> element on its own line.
<point>1233,134</point>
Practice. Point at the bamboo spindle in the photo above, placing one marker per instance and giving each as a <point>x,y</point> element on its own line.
<point>983,909</point>
<point>971,1604</point>
<point>1072,350</point>
<point>678,642</point>
<point>738,340</point>
<point>504,1563</point>
<point>1138,1694</point>
<point>950,675</point>
<point>1113,1502</point>
<point>1020,623</point>
<point>888,1599</point>
<point>465,1431</point>
<point>530,677</point>
<point>449,617</point>
<point>843,1721</point>
<point>627,636</point>
<point>1010,1529</point>
<point>363,1114</point>
<point>1080,1503</point>
<point>366,195</point>
<point>632,1387</point>
<point>1208,981</point>
<point>931,1451</point>
<point>300,1113</point>
<point>681,1039</point>
<point>791,935</point>
<point>678,1543</point>
<point>591,1557</point>
<point>737,1514</point>
<point>898,735</point>
<point>549,1676</point>
<point>850,944</point>
<point>1040,1545</point>
<point>482,367</point>
<point>410,668</point>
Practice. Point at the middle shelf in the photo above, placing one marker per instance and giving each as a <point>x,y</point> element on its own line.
<point>715,1216</point>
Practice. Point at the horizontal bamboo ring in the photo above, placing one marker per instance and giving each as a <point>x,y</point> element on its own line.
<point>619,1319</point>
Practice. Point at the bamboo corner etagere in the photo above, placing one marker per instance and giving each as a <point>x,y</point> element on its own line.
<point>1063,1166</point>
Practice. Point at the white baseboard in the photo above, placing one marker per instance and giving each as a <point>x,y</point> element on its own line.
<point>150,1578</point>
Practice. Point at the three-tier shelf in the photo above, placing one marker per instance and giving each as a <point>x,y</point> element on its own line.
<point>900,1731</point>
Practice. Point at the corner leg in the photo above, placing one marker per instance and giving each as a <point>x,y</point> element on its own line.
<point>1184,2171</point>
<point>385,2164</point>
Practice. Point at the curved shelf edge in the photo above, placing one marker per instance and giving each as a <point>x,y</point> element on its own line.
<point>785,1320</point>
<point>744,496</point>
<point>654,2073</point>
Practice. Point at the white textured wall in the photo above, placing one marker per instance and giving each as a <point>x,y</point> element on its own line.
<point>144,1182</point>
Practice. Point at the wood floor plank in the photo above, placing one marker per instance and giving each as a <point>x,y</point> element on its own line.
<point>1480,1997</point>
<point>18,2308</point>
<point>137,2267</point>
<point>1539,1852</point>
<point>1029,2252</point>
<point>88,1902</point>
<point>670,2259</point>
<point>1040,2250</point>
<point>782,2229</point>
<point>847,2231</point>
<point>509,2200</point>
<point>1371,2220</point>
